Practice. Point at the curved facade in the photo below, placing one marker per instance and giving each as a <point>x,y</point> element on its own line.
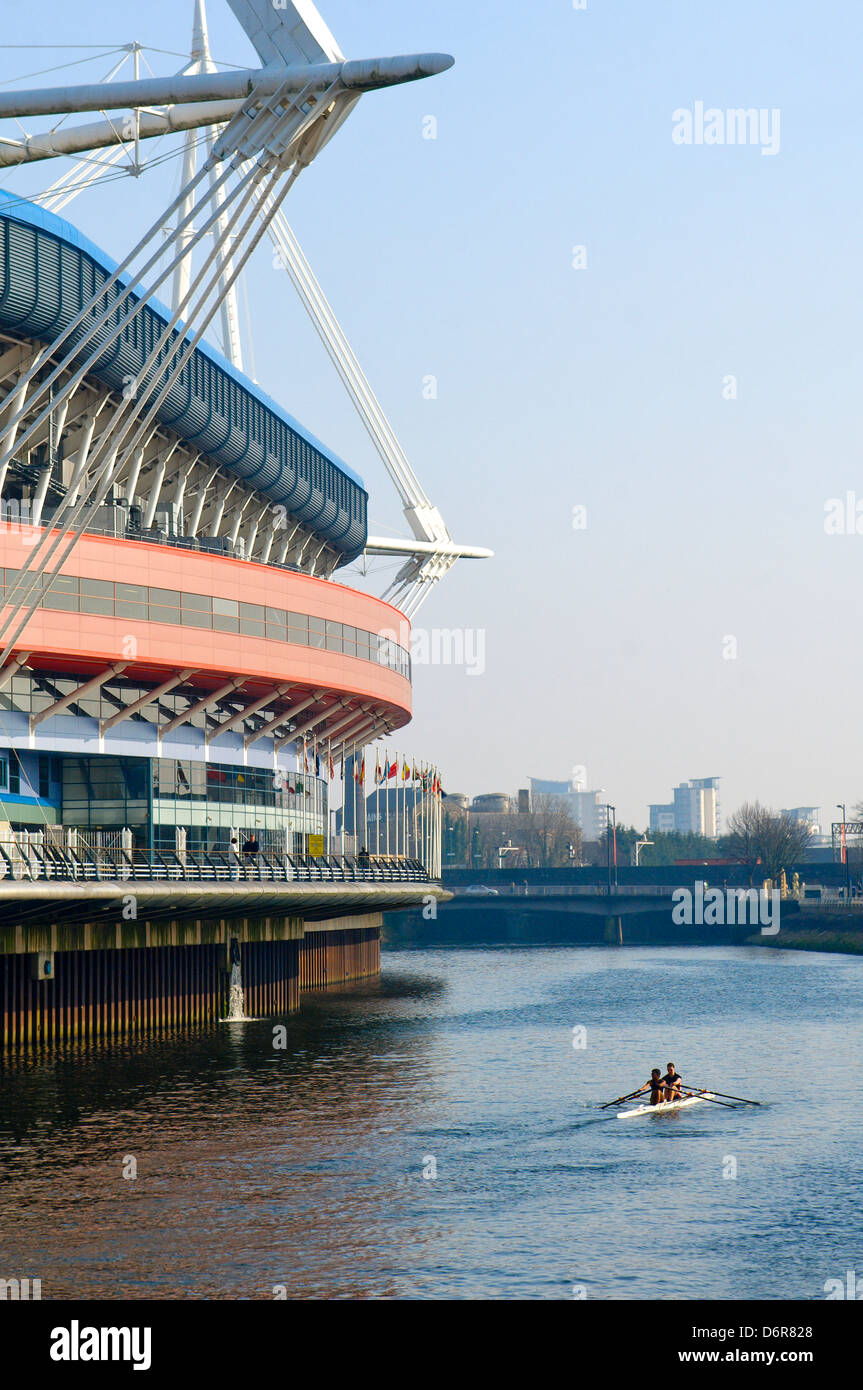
<point>192,675</point>
<point>49,272</point>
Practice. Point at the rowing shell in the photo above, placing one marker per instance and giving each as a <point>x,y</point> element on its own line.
<point>664,1106</point>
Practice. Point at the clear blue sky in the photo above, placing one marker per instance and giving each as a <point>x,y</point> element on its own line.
<point>599,387</point>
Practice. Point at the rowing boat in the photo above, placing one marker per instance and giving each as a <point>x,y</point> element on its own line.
<point>664,1106</point>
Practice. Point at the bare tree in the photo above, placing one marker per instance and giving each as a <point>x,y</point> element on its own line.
<point>765,839</point>
<point>551,831</point>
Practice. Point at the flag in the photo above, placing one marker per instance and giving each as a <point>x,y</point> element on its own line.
<point>406,772</point>
<point>332,768</point>
<point>393,770</point>
<point>379,776</point>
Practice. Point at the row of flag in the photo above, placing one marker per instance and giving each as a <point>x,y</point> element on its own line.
<point>391,767</point>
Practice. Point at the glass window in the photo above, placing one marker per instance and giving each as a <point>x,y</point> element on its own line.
<point>124,609</point>
<point>277,631</point>
<point>252,628</point>
<point>192,617</point>
<point>223,624</point>
<point>255,611</point>
<point>135,593</point>
<point>334,637</point>
<point>228,607</point>
<point>201,602</point>
<point>65,584</point>
<point>317,632</point>
<point>165,598</point>
<point>298,628</point>
<point>363,648</point>
<point>97,596</point>
<point>4,774</point>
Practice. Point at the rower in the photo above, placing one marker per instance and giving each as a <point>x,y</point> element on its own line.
<point>672,1083</point>
<point>656,1087</point>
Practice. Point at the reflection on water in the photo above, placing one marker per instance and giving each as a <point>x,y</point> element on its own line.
<point>436,1134</point>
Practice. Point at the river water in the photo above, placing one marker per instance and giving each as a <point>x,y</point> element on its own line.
<point>436,1134</point>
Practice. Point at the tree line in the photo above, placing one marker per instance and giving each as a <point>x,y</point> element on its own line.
<point>765,841</point>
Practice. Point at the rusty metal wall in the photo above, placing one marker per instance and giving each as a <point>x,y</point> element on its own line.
<point>332,957</point>
<point>141,990</point>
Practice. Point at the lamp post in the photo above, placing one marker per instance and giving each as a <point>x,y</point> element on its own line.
<point>639,846</point>
<point>840,806</point>
<point>611,839</point>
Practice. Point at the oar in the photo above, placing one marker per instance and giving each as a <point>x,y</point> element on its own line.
<point>743,1098</point>
<point>620,1099</point>
<point>701,1096</point>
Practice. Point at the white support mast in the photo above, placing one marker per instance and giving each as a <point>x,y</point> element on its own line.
<point>307,89</point>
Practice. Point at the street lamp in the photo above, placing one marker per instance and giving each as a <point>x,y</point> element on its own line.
<point>639,845</point>
<point>840,806</point>
<point>611,837</point>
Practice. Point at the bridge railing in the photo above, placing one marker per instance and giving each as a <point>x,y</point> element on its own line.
<point>574,890</point>
<point>132,866</point>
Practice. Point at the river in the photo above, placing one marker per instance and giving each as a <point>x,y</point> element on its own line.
<point>436,1134</point>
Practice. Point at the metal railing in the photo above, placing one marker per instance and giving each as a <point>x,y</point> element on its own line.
<point>131,866</point>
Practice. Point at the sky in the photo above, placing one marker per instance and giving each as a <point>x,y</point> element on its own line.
<point>646,355</point>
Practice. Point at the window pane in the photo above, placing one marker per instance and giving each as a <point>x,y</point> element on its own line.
<point>252,610</point>
<point>130,610</point>
<point>192,618</point>
<point>91,604</point>
<point>202,602</point>
<point>64,584</point>
<point>136,593</point>
<point>97,588</point>
<point>223,624</point>
<point>228,607</point>
<point>165,598</point>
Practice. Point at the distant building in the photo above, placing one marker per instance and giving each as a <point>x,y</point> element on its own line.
<point>805,815</point>
<point>457,800</point>
<point>497,802</point>
<point>694,810</point>
<point>587,808</point>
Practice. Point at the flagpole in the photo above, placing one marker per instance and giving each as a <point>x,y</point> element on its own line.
<point>377,801</point>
